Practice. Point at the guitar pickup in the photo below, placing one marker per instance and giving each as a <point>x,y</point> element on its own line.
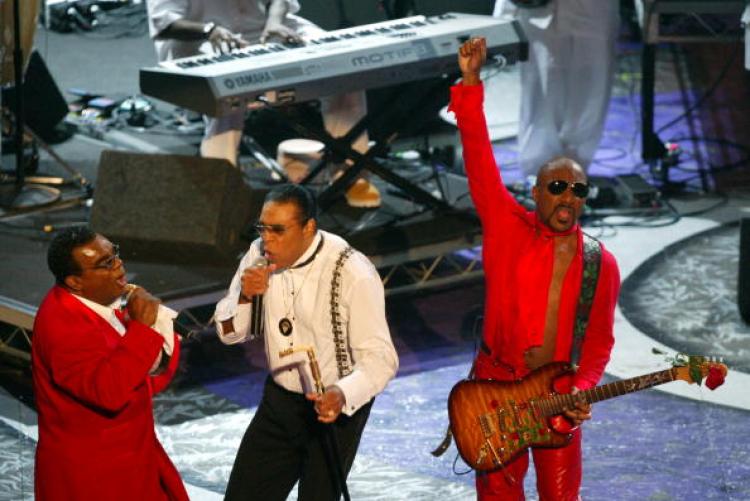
<point>486,424</point>
<point>501,415</point>
<point>519,415</point>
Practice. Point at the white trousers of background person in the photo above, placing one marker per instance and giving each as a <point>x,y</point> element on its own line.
<point>566,84</point>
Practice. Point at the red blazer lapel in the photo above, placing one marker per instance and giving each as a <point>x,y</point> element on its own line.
<point>71,303</point>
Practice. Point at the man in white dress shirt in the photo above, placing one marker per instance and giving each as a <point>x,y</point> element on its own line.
<point>567,81</point>
<point>317,292</point>
<point>182,28</point>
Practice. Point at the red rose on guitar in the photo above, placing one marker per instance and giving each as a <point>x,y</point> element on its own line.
<point>715,377</point>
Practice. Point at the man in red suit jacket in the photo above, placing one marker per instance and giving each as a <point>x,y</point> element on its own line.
<point>95,369</point>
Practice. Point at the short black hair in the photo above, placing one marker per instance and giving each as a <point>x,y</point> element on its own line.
<point>297,195</point>
<point>60,253</point>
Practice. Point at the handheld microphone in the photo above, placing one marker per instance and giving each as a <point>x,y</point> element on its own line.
<point>256,315</point>
<point>129,290</point>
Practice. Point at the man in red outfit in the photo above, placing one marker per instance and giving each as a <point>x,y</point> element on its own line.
<point>95,369</point>
<point>533,265</point>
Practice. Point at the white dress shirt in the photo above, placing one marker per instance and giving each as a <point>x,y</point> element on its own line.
<point>361,306</point>
<point>164,320</point>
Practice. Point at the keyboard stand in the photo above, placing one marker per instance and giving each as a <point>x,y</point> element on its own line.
<point>398,117</point>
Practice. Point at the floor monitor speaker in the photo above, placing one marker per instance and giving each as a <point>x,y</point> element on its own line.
<point>172,208</point>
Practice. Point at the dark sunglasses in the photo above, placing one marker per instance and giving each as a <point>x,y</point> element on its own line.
<point>580,190</point>
<point>276,229</point>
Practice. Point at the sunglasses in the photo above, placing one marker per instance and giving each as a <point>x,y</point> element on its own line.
<point>580,190</point>
<point>276,229</point>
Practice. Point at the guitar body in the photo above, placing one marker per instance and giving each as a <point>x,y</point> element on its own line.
<point>494,421</point>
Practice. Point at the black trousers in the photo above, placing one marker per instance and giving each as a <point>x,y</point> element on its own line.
<point>285,443</point>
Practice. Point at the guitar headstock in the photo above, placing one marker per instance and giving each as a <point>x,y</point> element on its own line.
<point>694,369</point>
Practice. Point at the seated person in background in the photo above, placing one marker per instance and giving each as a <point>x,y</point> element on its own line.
<point>95,367</point>
<point>182,28</point>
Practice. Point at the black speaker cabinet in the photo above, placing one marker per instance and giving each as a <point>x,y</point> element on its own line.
<point>743,279</point>
<point>171,208</point>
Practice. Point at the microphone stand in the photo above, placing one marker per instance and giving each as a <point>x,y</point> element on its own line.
<point>18,74</point>
<point>330,445</point>
<point>19,200</point>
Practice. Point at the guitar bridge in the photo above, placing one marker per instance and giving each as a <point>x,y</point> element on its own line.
<point>482,454</point>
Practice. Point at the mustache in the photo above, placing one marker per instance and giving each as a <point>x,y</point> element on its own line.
<point>565,206</point>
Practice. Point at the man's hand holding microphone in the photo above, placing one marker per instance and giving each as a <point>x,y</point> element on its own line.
<point>254,282</point>
<point>142,307</point>
<point>254,279</point>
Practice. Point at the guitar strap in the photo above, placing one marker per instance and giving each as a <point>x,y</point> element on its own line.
<point>592,258</point>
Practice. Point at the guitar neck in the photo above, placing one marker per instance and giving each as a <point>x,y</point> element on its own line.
<point>558,403</point>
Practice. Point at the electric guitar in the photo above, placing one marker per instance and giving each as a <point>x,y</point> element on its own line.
<point>494,421</point>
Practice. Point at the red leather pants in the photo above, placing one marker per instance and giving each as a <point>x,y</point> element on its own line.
<point>558,475</point>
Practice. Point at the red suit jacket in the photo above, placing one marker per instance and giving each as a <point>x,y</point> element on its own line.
<point>93,396</point>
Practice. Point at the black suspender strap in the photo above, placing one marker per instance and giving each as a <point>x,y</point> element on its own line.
<point>343,361</point>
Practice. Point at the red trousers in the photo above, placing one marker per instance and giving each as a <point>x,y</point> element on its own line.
<point>558,475</point>
<point>558,470</point>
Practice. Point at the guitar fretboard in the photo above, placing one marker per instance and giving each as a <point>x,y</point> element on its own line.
<point>558,403</point>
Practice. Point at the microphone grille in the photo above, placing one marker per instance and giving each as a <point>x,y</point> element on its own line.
<point>260,262</point>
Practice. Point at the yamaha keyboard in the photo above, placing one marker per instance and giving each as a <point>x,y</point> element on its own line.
<point>362,57</point>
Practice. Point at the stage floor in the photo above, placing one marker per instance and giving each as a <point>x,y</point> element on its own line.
<point>674,442</point>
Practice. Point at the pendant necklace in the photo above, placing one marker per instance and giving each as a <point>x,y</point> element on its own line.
<point>285,324</point>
